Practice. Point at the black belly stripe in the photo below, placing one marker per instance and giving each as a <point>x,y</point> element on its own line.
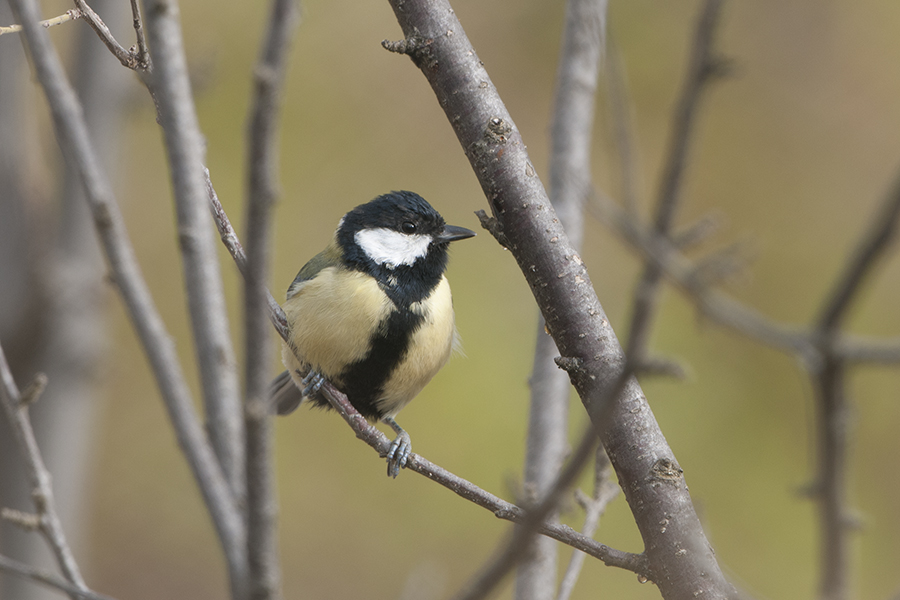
<point>363,381</point>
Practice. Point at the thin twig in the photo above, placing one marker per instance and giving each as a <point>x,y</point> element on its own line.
<point>170,85</point>
<point>833,418</point>
<point>234,247</point>
<point>14,567</point>
<point>70,15</point>
<point>605,491</point>
<point>701,69</point>
<point>264,574</point>
<point>142,53</point>
<point>126,57</point>
<point>48,522</point>
<point>505,559</point>
<point>76,146</point>
<point>570,175</point>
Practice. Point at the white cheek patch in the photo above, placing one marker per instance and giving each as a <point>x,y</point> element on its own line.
<point>391,248</point>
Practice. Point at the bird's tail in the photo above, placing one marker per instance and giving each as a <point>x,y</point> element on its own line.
<point>285,394</point>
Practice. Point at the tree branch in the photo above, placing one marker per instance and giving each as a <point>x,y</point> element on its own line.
<point>47,522</point>
<point>170,86</point>
<point>570,176</point>
<point>833,415</point>
<point>69,15</point>
<point>605,491</point>
<point>18,569</point>
<point>76,147</point>
<point>701,68</point>
<point>681,560</point>
<point>264,574</point>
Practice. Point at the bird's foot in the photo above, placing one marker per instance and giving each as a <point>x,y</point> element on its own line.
<point>312,383</point>
<point>401,448</point>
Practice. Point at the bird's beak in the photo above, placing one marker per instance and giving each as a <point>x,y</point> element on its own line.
<point>451,233</point>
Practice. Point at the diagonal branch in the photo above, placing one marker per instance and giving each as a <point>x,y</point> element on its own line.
<point>682,562</point>
<point>76,147</point>
<point>702,68</point>
<point>16,408</point>
<point>18,569</point>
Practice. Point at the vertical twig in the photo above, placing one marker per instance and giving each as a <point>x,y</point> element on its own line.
<point>605,490</point>
<point>171,89</point>
<point>264,574</point>
<point>833,406</point>
<point>702,67</point>
<point>76,147</point>
<point>16,409</point>
<point>570,179</point>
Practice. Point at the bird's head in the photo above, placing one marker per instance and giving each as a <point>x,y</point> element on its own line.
<point>397,232</point>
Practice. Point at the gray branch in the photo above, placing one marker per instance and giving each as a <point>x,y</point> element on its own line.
<point>30,573</point>
<point>75,144</point>
<point>570,178</point>
<point>170,86</point>
<point>47,520</point>
<point>264,574</point>
<point>681,560</point>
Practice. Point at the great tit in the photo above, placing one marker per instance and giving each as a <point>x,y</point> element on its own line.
<point>372,313</point>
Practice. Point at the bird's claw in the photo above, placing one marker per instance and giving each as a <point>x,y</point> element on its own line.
<point>398,454</point>
<point>312,383</point>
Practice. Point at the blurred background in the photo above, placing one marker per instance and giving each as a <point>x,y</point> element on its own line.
<point>794,152</point>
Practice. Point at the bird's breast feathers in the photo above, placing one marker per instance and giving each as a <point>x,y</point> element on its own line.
<point>335,315</point>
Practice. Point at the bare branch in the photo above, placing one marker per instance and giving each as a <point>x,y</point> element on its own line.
<point>605,491</point>
<point>18,569</point>
<point>682,562</point>
<point>700,71</point>
<point>570,176</point>
<point>872,246</point>
<point>128,58</point>
<point>234,247</point>
<point>42,490</point>
<point>75,144</point>
<point>170,86</point>
<point>264,574</point>
<point>69,15</point>
<point>833,414</point>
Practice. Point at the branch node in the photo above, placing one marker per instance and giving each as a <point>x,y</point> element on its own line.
<point>34,390</point>
<point>569,364</point>
<point>417,47</point>
<point>27,521</point>
<point>492,226</point>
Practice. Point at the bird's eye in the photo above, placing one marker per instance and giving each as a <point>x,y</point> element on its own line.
<point>408,227</point>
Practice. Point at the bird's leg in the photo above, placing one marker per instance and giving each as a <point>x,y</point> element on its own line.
<point>312,383</point>
<point>400,449</point>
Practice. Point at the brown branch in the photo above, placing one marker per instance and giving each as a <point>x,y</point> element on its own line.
<point>46,518</point>
<point>682,562</point>
<point>262,539</point>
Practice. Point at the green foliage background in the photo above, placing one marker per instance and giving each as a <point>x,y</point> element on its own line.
<point>795,151</point>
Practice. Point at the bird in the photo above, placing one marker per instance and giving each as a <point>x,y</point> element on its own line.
<point>372,314</point>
